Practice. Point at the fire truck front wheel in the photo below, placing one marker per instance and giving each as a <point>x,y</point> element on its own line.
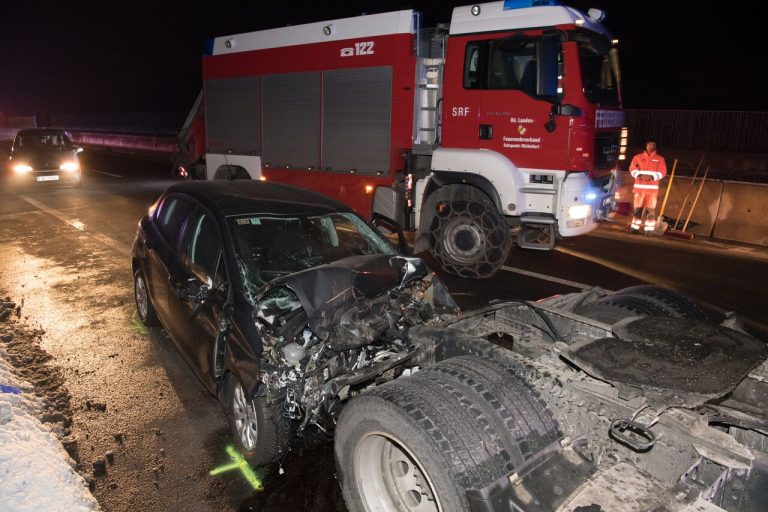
<point>469,238</point>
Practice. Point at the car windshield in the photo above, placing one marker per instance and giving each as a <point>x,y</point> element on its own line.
<point>270,246</point>
<point>44,140</point>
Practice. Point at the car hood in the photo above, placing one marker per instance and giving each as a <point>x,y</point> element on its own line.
<point>327,291</point>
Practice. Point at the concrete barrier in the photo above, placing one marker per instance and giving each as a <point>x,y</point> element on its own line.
<point>726,210</point>
<point>681,199</point>
<point>743,213</point>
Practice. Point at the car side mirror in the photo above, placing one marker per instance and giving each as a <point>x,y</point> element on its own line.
<point>390,227</point>
<point>195,291</point>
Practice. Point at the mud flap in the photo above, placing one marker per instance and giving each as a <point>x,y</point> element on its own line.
<point>543,483</point>
<point>560,478</point>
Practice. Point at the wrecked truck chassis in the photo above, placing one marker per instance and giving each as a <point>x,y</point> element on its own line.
<point>636,446</point>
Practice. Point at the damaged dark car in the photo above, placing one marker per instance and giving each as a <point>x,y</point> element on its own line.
<point>301,317</point>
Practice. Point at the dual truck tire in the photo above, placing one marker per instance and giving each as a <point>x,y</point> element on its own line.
<point>419,443</point>
<point>642,300</point>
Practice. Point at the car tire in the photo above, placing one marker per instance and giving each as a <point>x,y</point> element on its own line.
<point>469,238</point>
<point>674,304</point>
<point>259,430</point>
<point>421,442</point>
<point>144,308</point>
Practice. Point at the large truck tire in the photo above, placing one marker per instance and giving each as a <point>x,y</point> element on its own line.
<point>419,443</point>
<point>616,307</point>
<point>469,238</point>
<point>674,304</point>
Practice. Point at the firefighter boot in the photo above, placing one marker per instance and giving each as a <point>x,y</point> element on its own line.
<point>637,220</point>
<point>650,221</point>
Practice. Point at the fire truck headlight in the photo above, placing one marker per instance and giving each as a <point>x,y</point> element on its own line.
<point>21,168</point>
<point>581,211</point>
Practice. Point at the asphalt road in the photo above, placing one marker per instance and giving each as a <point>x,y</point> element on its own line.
<point>65,255</point>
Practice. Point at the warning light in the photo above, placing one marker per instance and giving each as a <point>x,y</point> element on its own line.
<point>368,189</point>
<point>263,178</point>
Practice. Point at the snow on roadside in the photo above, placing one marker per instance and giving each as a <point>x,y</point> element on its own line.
<point>36,473</point>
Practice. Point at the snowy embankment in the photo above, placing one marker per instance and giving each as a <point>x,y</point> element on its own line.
<point>36,474</point>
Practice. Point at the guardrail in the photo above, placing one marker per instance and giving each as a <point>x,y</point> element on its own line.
<point>127,142</point>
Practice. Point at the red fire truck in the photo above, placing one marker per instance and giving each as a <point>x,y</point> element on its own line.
<point>505,122</point>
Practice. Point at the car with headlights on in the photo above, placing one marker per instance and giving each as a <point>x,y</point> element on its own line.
<point>44,156</point>
<point>303,319</point>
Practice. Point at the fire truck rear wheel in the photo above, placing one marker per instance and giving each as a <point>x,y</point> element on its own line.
<point>469,238</point>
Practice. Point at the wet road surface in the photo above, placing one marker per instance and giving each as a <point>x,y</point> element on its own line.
<point>66,256</point>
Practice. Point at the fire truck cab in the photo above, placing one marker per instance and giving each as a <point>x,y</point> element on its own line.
<point>507,121</point>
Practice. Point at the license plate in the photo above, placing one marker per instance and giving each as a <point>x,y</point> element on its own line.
<point>48,178</point>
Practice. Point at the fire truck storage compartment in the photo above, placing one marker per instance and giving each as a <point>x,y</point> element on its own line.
<point>291,120</point>
<point>232,112</point>
<point>351,135</point>
<point>357,108</point>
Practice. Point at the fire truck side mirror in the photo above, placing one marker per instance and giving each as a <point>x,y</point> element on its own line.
<point>566,110</point>
<point>559,109</point>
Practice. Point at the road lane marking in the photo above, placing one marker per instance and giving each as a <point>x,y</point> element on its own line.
<point>79,225</point>
<point>617,267</point>
<point>545,277</point>
<point>104,172</point>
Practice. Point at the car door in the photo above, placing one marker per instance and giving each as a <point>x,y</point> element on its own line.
<point>161,243</point>
<point>201,290</point>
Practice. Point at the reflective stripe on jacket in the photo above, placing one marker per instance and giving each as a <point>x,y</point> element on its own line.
<point>647,169</point>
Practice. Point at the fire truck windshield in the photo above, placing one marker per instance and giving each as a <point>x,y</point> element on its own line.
<point>599,68</point>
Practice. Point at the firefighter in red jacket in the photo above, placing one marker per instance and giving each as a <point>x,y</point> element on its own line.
<point>648,168</point>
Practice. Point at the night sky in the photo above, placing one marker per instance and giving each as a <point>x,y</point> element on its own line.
<point>92,57</point>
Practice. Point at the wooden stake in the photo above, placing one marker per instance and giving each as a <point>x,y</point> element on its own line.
<point>687,194</point>
<point>669,187</point>
<point>693,206</point>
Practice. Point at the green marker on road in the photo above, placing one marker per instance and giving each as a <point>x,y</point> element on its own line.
<point>238,462</point>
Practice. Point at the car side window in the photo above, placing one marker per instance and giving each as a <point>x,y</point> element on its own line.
<point>201,246</point>
<point>171,216</point>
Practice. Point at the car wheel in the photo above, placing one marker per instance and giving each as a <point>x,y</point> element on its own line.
<point>419,443</point>
<point>144,307</point>
<point>260,432</point>
<point>469,238</point>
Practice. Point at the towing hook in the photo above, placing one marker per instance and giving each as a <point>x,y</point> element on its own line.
<point>633,434</point>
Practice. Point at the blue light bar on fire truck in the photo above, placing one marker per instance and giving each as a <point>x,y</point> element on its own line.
<point>522,4</point>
